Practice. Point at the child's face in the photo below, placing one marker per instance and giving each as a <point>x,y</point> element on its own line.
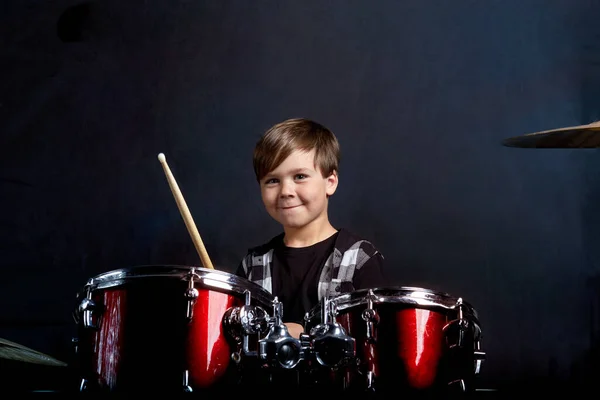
<point>295,193</point>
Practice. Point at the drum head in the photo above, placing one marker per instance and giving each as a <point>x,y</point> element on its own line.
<point>403,295</point>
<point>204,277</point>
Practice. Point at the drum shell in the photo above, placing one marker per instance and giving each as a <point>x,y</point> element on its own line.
<point>414,345</point>
<point>143,339</point>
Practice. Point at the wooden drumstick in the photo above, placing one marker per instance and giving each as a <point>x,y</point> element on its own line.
<point>185,213</point>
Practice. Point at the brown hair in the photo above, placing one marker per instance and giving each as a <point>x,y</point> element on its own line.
<point>279,141</point>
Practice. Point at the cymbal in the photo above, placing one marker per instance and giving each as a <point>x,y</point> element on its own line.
<point>13,351</point>
<point>573,137</point>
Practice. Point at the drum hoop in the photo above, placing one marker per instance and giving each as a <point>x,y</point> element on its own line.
<point>220,280</point>
<point>427,298</point>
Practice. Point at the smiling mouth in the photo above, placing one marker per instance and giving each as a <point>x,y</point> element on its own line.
<point>289,207</point>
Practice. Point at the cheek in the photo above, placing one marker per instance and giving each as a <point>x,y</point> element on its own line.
<point>267,198</point>
<point>314,195</point>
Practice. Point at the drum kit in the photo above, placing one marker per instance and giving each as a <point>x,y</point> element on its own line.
<point>190,329</point>
<point>198,330</point>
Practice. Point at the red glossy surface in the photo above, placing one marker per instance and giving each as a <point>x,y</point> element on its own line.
<point>145,341</point>
<point>109,340</point>
<point>409,347</point>
<point>208,353</point>
<point>420,343</point>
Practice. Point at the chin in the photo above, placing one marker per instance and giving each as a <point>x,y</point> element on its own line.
<point>292,224</point>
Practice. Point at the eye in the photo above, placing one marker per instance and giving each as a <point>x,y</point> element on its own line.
<point>270,181</point>
<point>301,176</point>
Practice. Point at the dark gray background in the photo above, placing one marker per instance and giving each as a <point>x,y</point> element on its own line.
<point>420,94</point>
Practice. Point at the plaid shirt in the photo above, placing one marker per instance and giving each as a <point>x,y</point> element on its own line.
<point>350,253</point>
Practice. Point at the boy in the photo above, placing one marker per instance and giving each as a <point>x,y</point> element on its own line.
<point>296,163</point>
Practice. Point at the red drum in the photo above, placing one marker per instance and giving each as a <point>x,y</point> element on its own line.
<point>407,340</point>
<point>168,328</point>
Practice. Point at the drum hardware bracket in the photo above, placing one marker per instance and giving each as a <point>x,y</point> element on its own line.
<point>253,319</point>
<point>479,357</point>
<point>329,310</point>
<point>186,385</point>
<point>87,308</point>
<point>191,294</point>
<point>75,343</point>
<point>330,345</point>
<point>278,348</point>
<point>236,357</point>
<point>370,381</point>
<point>461,384</point>
<point>371,317</point>
<point>461,323</point>
<point>240,322</point>
<point>463,327</point>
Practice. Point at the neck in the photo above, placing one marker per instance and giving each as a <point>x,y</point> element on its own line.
<point>308,235</point>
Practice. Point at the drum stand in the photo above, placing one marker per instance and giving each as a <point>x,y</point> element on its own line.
<point>327,344</point>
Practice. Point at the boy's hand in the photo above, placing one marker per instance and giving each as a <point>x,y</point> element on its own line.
<point>294,329</point>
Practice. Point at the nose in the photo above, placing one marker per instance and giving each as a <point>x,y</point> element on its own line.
<point>287,189</point>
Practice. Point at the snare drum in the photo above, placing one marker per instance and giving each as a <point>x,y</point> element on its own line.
<point>168,328</point>
<point>408,339</point>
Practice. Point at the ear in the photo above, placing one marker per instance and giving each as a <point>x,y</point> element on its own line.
<point>331,183</point>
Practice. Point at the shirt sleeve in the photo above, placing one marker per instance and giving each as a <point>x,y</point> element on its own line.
<point>241,269</point>
<point>371,274</point>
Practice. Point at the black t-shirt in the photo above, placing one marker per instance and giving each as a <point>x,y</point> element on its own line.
<point>292,274</point>
<point>296,274</point>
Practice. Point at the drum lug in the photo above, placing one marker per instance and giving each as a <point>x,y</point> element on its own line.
<point>370,381</point>
<point>191,295</point>
<point>463,328</point>
<point>236,357</point>
<point>186,385</point>
<point>86,311</point>
<point>371,317</point>
<point>461,323</point>
<point>479,357</point>
<point>75,343</point>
